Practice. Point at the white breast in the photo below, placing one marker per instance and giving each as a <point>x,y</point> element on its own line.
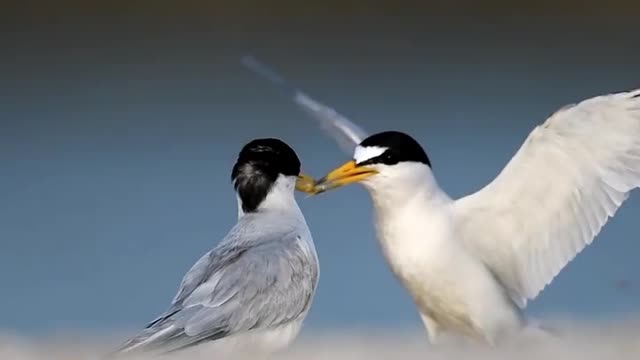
<point>412,243</point>
<point>417,231</point>
<point>451,288</point>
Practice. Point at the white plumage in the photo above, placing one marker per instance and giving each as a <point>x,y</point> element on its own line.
<point>472,264</point>
<point>571,174</point>
<point>458,258</point>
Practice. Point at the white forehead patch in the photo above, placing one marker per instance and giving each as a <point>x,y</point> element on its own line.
<point>365,153</point>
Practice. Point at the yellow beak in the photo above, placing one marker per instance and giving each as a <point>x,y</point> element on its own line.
<point>306,184</point>
<point>348,173</point>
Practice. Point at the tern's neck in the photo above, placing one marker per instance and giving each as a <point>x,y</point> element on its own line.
<point>280,198</point>
<point>406,186</point>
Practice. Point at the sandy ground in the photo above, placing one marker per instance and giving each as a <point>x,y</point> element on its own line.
<point>611,341</point>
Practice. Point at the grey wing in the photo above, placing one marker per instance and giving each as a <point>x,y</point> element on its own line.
<point>234,289</point>
<point>345,132</point>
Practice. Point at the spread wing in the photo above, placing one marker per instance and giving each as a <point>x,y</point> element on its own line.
<point>232,289</point>
<point>569,177</point>
<point>346,133</point>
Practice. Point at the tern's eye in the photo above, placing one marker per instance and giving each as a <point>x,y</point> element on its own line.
<point>389,158</point>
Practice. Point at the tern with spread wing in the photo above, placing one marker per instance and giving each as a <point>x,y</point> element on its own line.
<point>471,264</point>
<point>254,289</point>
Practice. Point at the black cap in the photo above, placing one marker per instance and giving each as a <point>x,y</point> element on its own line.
<point>399,147</point>
<point>257,168</point>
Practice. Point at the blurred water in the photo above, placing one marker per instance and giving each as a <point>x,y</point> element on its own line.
<point>117,141</point>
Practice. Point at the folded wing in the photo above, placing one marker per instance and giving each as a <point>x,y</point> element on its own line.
<point>233,289</point>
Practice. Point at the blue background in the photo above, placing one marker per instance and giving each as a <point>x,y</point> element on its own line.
<point>120,124</point>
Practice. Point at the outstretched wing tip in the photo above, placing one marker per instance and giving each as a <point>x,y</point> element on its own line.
<point>576,175</point>
<point>343,131</point>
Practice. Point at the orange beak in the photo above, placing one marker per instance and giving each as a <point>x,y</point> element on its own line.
<point>346,174</point>
<point>306,184</point>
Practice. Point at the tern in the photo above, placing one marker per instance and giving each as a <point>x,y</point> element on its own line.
<point>253,290</point>
<point>471,264</point>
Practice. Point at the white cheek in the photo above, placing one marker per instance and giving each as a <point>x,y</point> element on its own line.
<point>378,179</point>
<point>365,153</point>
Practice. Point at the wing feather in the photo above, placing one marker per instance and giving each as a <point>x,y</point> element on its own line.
<point>237,287</point>
<point>568,178</point>
<point>343,131</point>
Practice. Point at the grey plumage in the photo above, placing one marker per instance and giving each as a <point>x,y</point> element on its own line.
<point>261,276</point>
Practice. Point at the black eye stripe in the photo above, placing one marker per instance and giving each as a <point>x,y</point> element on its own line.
<point>368,161</point>
<point>388,158</point>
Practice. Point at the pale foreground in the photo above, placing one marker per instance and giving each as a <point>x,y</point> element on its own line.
<point>618,341</point>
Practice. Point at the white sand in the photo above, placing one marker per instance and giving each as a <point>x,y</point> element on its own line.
<point>597,341</point>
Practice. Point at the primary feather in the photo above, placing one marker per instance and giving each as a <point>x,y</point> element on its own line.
<point>342,130</point>
<point>569,177</point>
